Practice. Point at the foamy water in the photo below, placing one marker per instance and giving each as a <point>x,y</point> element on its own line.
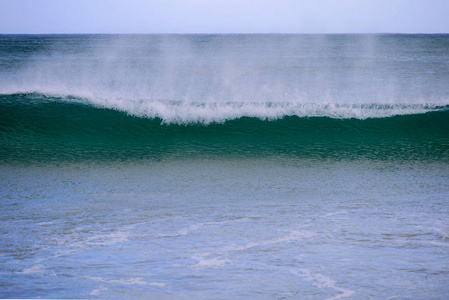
<point>329,231</point>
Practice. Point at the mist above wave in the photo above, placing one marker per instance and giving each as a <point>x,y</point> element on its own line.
<point>120,71</point>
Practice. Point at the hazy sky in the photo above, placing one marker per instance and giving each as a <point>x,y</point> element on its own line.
<point>224,16</point>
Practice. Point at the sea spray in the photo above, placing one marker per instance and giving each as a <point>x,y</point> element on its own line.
<point>385,69</point>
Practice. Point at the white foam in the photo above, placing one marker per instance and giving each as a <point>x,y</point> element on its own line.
<point>36,269</point>
<point>182,232</point>
<point>219,257</point>
<point>188,112</point>
<point>195,227</point>
<point>205,261</point>
<point>322,281</point>
<point>126,281</point>
<point>107,239</point>
<point>98,291</point>
<point>209,112</point>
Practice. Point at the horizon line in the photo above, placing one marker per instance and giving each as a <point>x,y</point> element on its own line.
<point>229,33</point>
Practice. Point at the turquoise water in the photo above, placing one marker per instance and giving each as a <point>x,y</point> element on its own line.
<point>224,167</point>
<point>39,128</point>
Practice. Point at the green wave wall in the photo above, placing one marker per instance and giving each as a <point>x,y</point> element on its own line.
<point>46,131</point>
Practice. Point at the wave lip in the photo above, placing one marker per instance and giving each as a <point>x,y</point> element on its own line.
<point>178,112</point>
<point>207,112</point>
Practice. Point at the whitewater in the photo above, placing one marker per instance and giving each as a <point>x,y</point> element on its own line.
<point>224,166</point>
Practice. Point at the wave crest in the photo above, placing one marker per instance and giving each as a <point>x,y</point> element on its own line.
<point>179,112</point>
<point>187,112</point>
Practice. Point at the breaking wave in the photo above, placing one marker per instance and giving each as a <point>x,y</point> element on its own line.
<point>39,127</point>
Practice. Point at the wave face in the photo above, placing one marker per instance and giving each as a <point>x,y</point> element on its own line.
<point>106,97</point>
<point>35,127</point>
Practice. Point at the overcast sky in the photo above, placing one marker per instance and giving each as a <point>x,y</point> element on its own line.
<point>224,16</point>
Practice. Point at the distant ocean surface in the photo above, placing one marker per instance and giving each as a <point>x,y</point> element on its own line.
<point>224,166</point>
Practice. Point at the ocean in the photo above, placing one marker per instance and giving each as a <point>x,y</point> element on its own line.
<point>224,166</point>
